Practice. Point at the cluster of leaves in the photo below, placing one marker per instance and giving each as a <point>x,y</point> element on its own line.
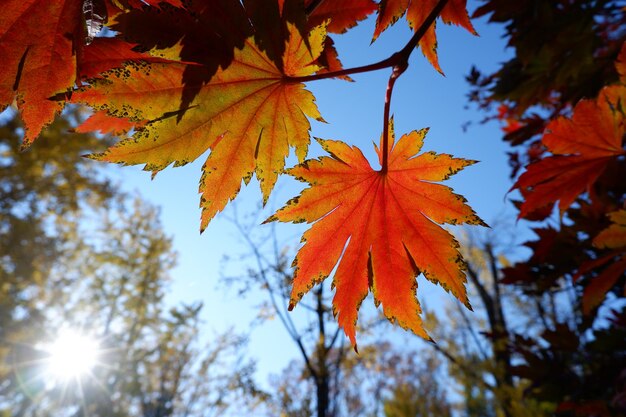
<point>228,77</point>
<point>584,147</point>
<point>561,98</point>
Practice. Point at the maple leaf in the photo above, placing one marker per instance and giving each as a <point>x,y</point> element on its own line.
<point>614,238</point>
<point>248,115</point>
<point>206,33</point>
<point>455,12</point>
<point>39,44</point>
<point>273,23</point>
<point>581,147</point>
<point>379,227</point>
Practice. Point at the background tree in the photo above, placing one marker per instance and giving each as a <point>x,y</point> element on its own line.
<point>43,193</point>
<point>415,386</point>
<point>476,346</point>
<point>81,255</point>
<point>317,337</point>
<point>328,379</point>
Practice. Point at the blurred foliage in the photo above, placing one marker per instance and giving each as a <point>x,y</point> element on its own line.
<point>574,358</point>
<point>76,252</point>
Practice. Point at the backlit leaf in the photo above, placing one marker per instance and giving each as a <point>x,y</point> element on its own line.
<point>248,115</point>
<point>381,229</point>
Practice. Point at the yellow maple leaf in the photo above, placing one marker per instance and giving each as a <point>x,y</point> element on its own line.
<point>248,115</point>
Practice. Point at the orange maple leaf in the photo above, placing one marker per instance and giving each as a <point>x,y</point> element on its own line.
<point>248,115</point>
<point>581,147</point>
<point>455,12</point>
<point>379,227</point>
<point>39,44</point>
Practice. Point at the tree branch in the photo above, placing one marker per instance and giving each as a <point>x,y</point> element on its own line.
<point>400,58</point>
<point>284,318</point>
<point>462,366</point>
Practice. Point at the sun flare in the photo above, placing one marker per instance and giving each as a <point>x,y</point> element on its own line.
<point>72,355</point>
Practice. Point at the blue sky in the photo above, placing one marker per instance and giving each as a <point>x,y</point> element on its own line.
<point>422,98</point>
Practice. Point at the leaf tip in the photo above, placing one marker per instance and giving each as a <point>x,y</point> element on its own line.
<point>95,156</point>
<point>270,219</point>
<point>26,145</point>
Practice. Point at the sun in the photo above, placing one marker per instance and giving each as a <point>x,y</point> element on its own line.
<point>72,355</point>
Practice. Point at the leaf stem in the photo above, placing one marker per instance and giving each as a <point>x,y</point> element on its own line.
<point>384,146</point>
<point>385,63</point>
<point>399,61</point>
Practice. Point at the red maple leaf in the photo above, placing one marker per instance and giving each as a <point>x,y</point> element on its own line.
<point>581,148</point>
